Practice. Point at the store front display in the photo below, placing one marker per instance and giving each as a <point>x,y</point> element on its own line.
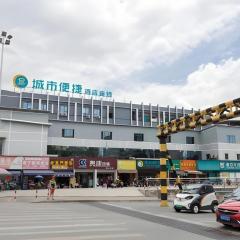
<point>127,171</point>
<point>148,168</point>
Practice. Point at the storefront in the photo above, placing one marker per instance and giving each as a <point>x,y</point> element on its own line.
<point>14,167</point>
<point>189,169</point>
<point>93,172</point>
<point>220,168</point>
<point>148,168</point>
<point>36,172</point>
<point>127,171</point>
<point>63,169</point>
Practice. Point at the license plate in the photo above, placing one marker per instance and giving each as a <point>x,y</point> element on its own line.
<point>225,218</point>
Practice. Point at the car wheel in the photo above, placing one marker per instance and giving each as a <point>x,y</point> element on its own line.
<point>195,208</point>
<point>177,209</point>
<point>214,207</point>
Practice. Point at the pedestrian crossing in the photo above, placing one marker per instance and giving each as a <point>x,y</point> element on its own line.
<point>58,221</point>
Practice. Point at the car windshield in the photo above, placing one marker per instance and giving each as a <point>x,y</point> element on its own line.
<point>236,192</point>
<point>193,189</point>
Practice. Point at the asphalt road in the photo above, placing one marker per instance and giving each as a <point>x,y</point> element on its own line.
<point>121,220</point>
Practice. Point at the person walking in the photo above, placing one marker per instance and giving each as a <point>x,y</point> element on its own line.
<point>178,183</point>
<point>52,186</point>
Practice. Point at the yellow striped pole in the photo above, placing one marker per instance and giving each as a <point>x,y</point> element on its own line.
<point>163,171</point>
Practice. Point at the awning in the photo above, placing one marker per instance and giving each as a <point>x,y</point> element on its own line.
<point>15,173</point>
<point>38,172</point>
<point>127,171</point>
<point>64,174</point>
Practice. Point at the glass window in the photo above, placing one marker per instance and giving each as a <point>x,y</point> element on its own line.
<point>26,104</point>
<point>87,112</point>
<point>139,137</point>
<point>44,106</point>
<point>63,110</point>
<point>134,118</point>
<point>226,156</point>
<point>110,112</point>
<point>189,140</point>
<point>96,112</point>
<point>168,140</point>
<point>238,156</point>
<point>68,133</point>
<point>106,135</point>
<point>231,139</point>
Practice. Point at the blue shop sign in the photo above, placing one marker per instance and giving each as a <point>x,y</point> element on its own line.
<point>148,164</point>
<point>218,165</point>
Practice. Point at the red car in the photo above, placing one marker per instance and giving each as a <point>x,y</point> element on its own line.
<point>228,213</point>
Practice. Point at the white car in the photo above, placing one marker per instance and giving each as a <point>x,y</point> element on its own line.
<point>196,197</point>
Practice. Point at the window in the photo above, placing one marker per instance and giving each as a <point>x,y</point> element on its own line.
<point>110,113</point>
<point>96,112</point>
<point>168,140</point>
<point>63,111</point>
<point>226,156</point>
<point>134,117</point>
<point>139,137</point>
<point>231,139</point>
<point>106,135</point>
<point>238,156</point>
<point>189,140</point>
<point>86,112</point>
<point>26,105</point>
<point>44,106</point>
<point>146,116</point>
<point>68,133</point>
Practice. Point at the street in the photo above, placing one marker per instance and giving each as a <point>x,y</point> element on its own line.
<point>108,220</point>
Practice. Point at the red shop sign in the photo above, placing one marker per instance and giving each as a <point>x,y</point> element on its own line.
<point>36,163</point>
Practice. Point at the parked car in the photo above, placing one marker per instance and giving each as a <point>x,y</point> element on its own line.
<point>235,194</point>
<point>228,213</point>
<point>196,197</point>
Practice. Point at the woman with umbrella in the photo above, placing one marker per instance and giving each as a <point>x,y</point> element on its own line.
<point>38,180</point>
<point>5,174</point>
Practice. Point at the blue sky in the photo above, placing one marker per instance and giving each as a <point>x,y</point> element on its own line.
<point>163,52</point>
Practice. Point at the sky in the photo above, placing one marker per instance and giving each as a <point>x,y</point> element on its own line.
<point>179,53</point>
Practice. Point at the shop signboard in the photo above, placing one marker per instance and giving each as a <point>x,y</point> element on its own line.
<point>218,165</point>
<point>188,165</point>
<point>95,163</point>
<point>61,163</point>
<point>208,165</point>
<point>229,166</point>
<point>11,162</point>
<point>35,163</point>
<point>148,164</point>
<point>126,164</point>
<point>176,165</point>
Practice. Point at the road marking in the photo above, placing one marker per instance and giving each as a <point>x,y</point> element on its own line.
<point>62,231</point>
<point>61,226</point>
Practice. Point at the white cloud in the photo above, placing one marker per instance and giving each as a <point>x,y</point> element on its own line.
<point>97,42</point>
<point>209,85</point>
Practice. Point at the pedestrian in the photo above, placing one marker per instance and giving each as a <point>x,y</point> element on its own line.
<point>52,186</point>
<point>178,183</point>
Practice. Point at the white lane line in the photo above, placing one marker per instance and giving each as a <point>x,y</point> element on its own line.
<point>17,223</point>
<point>36,218</point>
<point>61,226</point>
<point>63,231</point>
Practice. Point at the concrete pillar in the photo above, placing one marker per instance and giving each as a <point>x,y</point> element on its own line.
<point>95,178</point>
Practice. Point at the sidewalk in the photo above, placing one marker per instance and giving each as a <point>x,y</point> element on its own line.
<point>78,194</point>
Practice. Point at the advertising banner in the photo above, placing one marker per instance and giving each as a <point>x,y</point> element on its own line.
<point>188,165</point>
<point>229,166</point>
<point>176,165</point>
<point>95,163</point>
<point>218,165</point>
<point>61,163</point>
<point>126,164</point>
<point>11,162</point>
<point>35,163</point>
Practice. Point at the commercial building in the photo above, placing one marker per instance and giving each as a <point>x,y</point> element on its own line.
<point>92,128</point>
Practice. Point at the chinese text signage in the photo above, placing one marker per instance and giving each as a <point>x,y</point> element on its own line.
<point>35,163</point>
<point>21,81</point>
<point>61,163</point>
<point>188,165</point>
<point>148,164</point>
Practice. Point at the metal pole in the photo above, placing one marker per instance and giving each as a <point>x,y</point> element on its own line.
<point>1,71</point>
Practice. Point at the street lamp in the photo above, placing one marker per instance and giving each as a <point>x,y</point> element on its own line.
<point>5,39</point>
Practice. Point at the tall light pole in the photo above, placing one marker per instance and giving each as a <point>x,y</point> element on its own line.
<point>5,39</point>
